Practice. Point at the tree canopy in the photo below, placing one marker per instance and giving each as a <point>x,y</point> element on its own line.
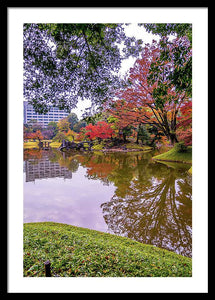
<point>64,63</point>
<point>181,74</point>
<point>153,97</point>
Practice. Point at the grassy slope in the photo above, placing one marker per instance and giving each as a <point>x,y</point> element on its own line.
<point>174,155</point>
<point>75,251</point>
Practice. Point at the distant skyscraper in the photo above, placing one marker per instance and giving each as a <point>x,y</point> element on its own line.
<point>54,115</point>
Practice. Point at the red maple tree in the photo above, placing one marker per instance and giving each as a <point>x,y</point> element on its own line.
<point>101,130</point>
<point>151,99</point>
<point>33,135</point>
<point>184,125</point>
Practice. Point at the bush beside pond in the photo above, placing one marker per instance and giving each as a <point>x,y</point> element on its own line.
<point>75,251</point>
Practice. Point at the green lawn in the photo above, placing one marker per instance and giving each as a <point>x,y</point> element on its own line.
<point>75,251</point>
<point>55,144</point>
<point>34,145</point>
<point>176,156</point>
<point>30,145</point>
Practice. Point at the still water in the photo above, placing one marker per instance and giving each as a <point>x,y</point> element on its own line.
<point>127,194</point>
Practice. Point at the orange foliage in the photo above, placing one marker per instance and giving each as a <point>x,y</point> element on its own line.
<point>144,102</point>
<point>101,130</point>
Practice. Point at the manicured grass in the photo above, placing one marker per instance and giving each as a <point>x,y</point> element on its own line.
<point>34,145</point>
<point>126,147</point>
<point>30,145</point>
<point>75,251</point>
<point>55,144</point>
<point>176,156</point>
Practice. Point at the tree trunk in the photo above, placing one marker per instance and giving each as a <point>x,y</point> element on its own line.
<point>124,137</point>
<point>138,135</point>
<point>170,128</point>
<point>173,138</point>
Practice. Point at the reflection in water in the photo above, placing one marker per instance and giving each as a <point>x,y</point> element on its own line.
<point>150,203</point>
<point>158,213</point>
<point>45,169</point>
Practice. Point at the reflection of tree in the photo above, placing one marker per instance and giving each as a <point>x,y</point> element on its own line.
<point>32,154</point>
<point>152,201</point>
<point>68,161</point>
<point>158,213</point>
<point>118,168</point>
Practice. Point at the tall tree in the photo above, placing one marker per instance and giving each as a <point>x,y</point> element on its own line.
<point>152,98</point>
<point>184,125</point>
<point>72,119</point>
<point>67,62</point>
<point>63,125</point>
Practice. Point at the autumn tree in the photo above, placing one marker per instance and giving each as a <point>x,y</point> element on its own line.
<point>71,135</point>
<point>184,125</point>
<point>100,130</point>
<point>33,135</point>
<point>38,135</point>
<point>63,125</point>
<point>123,117</point>
<point>127,119</point>
<point>153,98</point>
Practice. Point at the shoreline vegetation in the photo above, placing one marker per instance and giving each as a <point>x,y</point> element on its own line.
<point>175,155</point>
<point>98,147</point>
<point>80,252</point>
<point>172,155</point>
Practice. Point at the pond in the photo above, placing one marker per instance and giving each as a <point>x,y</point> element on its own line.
<point>126,194</point>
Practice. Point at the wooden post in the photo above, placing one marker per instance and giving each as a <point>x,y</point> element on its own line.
<point>47,268</point>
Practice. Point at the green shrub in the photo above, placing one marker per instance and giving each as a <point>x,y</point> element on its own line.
<point>181,147</point>
<point>98,147</point>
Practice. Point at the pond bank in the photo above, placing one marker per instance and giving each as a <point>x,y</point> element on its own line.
<point>126,149</point>
<point>173,155</point>
<point>76,252</point>
<point>130,147</point>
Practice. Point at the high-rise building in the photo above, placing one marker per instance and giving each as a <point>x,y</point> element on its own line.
<point>54,114</point>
